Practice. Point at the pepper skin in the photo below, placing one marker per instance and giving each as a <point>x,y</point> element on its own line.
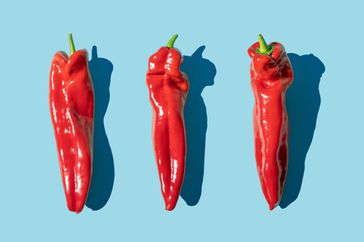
<point>71,98</point>
<point>168,88</point>
<point>271,75</point>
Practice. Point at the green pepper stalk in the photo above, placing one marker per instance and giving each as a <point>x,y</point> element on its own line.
<point>264,48</point>
<point>71,43</point>
<point>171,41</point>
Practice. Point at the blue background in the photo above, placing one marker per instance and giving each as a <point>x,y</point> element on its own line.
<point>330,202</point>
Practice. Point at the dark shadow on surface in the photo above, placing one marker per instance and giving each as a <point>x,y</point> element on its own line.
<point>303,103</point>
<point>201,73</point>
<point>103,163</point>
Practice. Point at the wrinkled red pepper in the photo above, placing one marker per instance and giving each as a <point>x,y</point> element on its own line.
<point>271,75</point>
<point>168,88</point>
<point>71,99</point>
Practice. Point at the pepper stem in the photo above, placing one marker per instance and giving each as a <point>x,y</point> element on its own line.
<point>171,41</point>
<point>72,45</point>
<point>264,48</point>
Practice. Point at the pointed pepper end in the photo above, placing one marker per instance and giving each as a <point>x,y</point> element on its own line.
<point>272,206</point>
<point>170,206</point>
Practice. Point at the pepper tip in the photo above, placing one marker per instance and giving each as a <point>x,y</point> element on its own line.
<point>272,206</point>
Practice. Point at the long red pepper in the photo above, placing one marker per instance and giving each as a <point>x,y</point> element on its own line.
<point>168,88</point>
<point>71,99</point>
<point>271,74</point>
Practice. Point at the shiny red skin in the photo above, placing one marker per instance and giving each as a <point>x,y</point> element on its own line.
<point>168,88</point>
<point>71,99</point>
<point>271,75</point>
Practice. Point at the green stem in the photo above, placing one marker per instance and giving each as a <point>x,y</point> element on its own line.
<point>171,41</point>
<point>264,48</point>
<point>72,45</point>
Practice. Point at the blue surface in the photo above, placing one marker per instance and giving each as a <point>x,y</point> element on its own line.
<point>324,197</point>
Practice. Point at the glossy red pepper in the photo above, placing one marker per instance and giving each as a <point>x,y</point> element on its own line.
<point>71,99</point>
<point>271,75</point>
<point>168,88</point>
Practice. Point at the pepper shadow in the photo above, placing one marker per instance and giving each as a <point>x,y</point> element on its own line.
<point>201,73</point>
<point>303,104</point>
<point>102,180</point>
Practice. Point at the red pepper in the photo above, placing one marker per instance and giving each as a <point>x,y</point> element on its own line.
<point>71,99</point>
<point>271,75</point>
<point>168,88</point>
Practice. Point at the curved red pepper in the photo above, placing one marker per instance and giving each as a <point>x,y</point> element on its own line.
<point>271,74</point>
<point>168,88</point>
<point>71,99</point>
